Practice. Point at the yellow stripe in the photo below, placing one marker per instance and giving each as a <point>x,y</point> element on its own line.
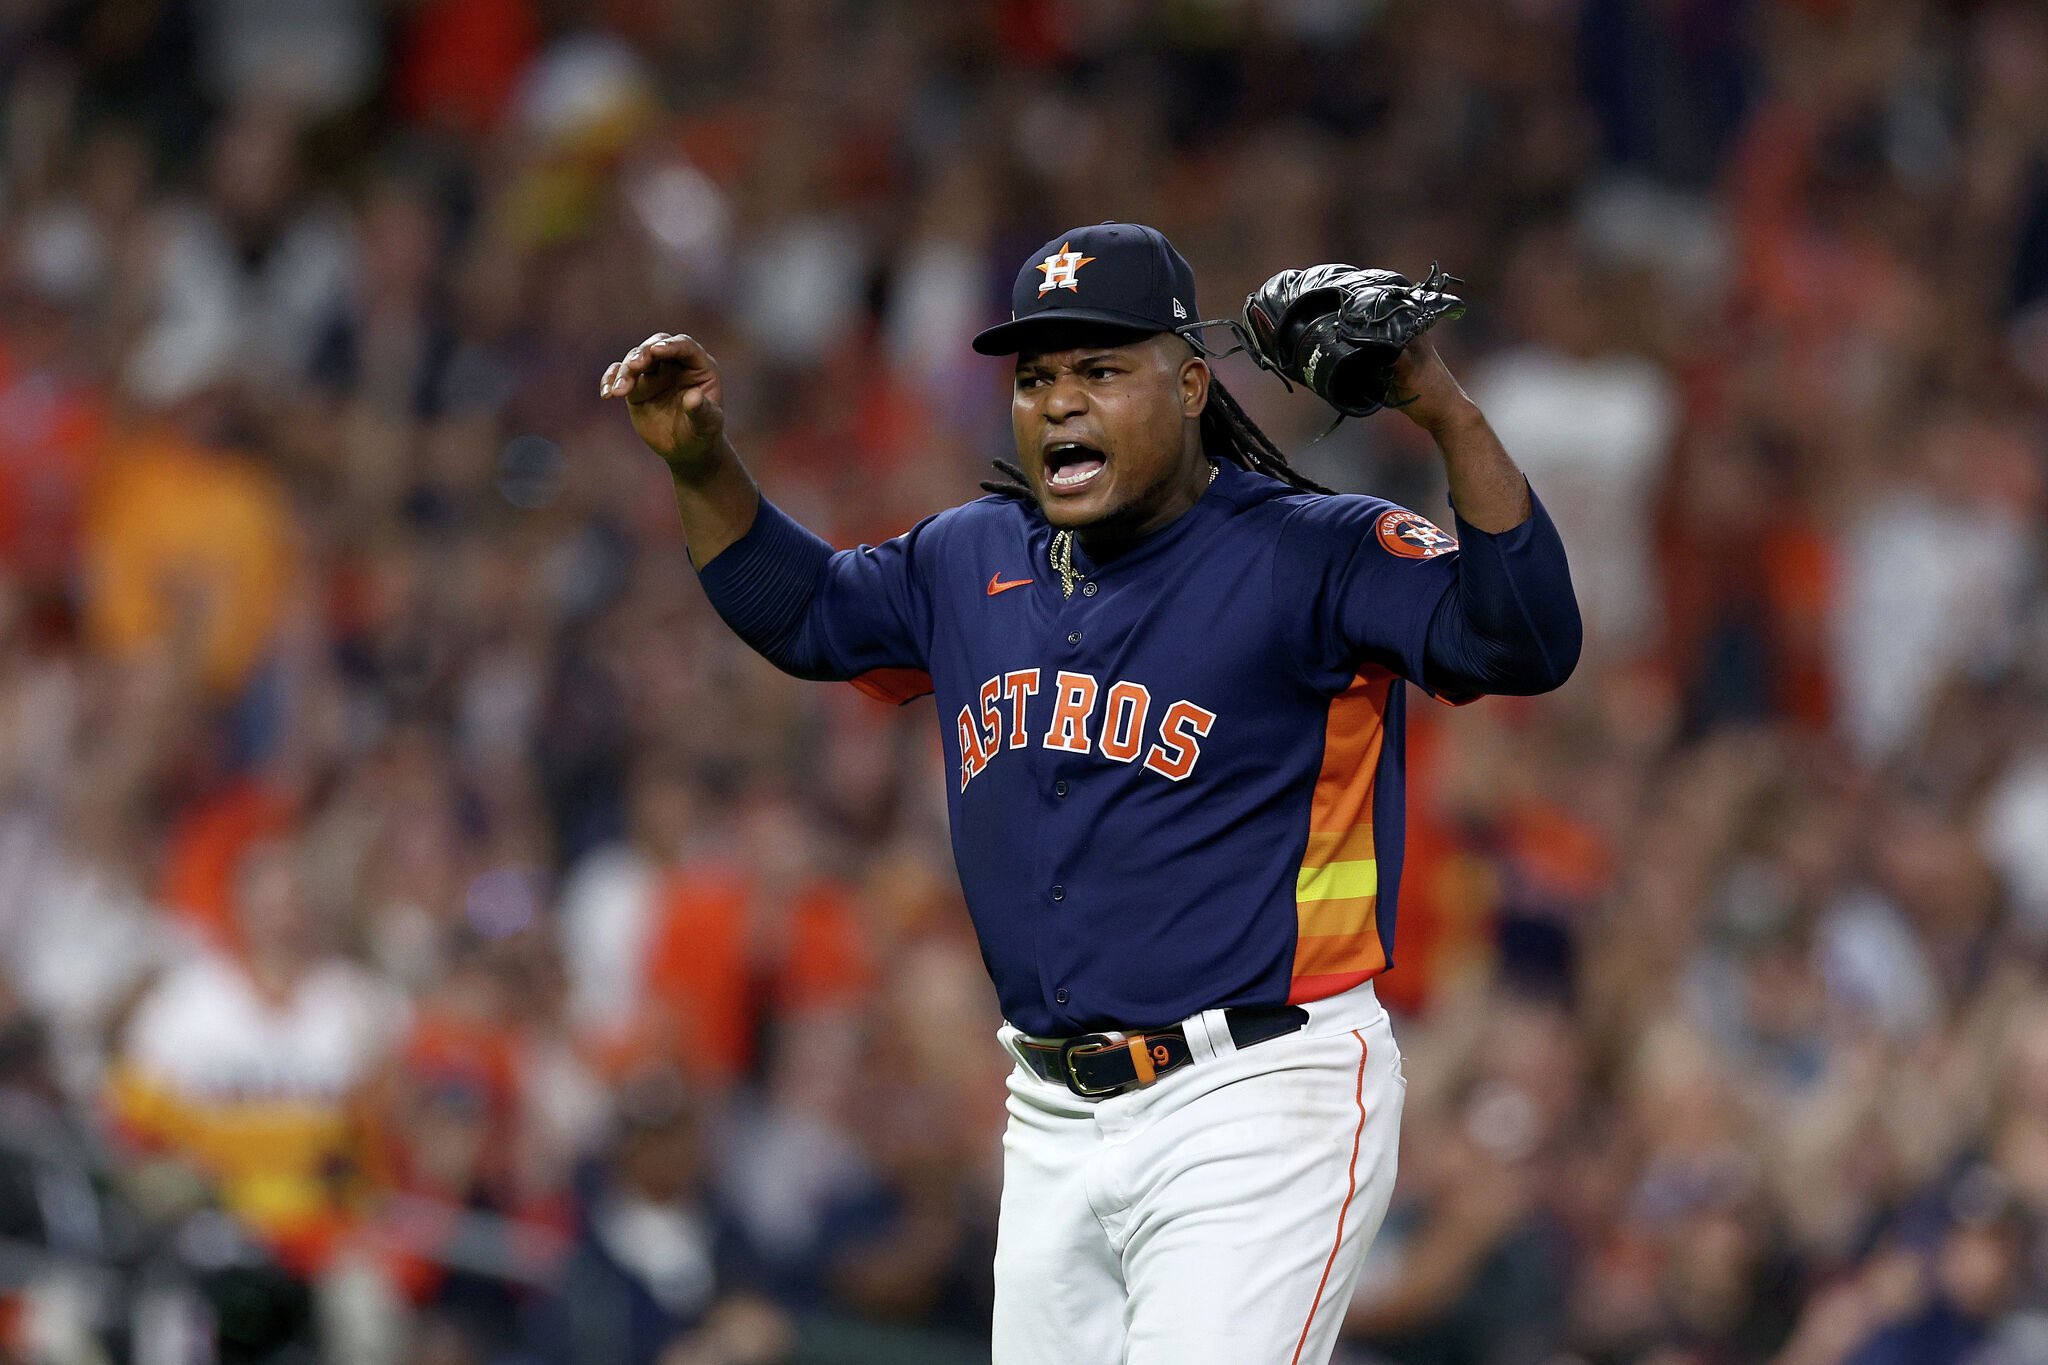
<point>274,1161</point>
<point>1338,881</point>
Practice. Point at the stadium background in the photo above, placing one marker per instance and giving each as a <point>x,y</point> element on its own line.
<point>426,936</point>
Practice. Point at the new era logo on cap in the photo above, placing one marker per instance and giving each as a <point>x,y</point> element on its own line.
<point>1115,274</point>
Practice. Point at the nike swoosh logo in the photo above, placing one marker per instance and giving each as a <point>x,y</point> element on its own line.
<point>996,584</point>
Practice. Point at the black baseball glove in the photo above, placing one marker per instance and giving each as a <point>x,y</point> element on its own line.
<point>1337,329</point>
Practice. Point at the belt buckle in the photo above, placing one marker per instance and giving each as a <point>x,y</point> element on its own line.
<point>1088,1044</point>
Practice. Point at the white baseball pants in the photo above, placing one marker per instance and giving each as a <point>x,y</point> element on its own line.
<point>1218,1217</point>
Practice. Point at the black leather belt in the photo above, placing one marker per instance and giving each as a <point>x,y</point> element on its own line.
<point>1097,1064</point>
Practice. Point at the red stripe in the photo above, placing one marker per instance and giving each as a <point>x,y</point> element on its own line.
<point>1307,988</point>
<point>1351,1190</point>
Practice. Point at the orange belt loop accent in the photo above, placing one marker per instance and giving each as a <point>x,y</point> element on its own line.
<point>1141,1058</point>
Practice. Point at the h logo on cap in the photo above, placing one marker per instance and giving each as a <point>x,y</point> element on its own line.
<point>1061,269</point>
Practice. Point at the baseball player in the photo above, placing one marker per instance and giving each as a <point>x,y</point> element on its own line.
<point>1168,672</point>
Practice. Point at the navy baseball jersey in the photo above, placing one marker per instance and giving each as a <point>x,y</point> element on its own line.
<point>1177,789</point>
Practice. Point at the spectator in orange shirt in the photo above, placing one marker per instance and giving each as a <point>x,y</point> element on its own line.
<point>187,546</point>
<point>764,935</point>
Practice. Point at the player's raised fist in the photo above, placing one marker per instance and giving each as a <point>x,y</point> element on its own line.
<point>672,391</point>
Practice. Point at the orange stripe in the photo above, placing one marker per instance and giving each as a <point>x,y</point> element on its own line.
<point>1334,919</point>
<point>1339,846</point>
<point>1340,830</point>
<point>1314,956</point>
<point>1350,1192</point>
<point>1351,751</point>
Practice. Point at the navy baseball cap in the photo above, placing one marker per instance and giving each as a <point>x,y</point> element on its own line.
<point>1116,274</point>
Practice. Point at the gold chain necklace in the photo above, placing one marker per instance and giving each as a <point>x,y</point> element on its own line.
<point>1061,551</point>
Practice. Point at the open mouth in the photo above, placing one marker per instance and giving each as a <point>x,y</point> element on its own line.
<point>1070,465</point>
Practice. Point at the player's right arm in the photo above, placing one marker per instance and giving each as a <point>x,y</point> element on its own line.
<point>807,609</point>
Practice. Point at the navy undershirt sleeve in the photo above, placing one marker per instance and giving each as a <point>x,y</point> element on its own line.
<point>763,582</point>
<point>819,613</point>
<point>1509,623</point>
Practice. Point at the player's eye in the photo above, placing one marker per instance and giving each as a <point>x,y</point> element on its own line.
<point>1103,372</point>
<point>1030,381</point>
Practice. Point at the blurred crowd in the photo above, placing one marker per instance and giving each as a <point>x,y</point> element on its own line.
<point>427,938</point>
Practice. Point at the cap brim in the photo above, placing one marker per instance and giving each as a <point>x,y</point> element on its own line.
<point>1008,338</point>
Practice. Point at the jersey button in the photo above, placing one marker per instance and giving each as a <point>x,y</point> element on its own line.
<point>1059,997</point>
<point>1059,788</point>
<point>1088,590</point>
<point>1059,893</point>
<point>1074,637</point>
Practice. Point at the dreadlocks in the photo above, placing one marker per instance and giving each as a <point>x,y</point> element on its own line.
<point>1228,433</point>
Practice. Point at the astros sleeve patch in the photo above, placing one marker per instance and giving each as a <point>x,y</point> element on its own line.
<point>1367,574</point>
<point>1409,535</point>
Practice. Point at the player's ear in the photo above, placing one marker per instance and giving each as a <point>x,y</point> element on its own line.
<point>1194,386</point>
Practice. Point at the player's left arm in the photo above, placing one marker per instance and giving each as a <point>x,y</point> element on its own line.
<point>1509,622</point>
